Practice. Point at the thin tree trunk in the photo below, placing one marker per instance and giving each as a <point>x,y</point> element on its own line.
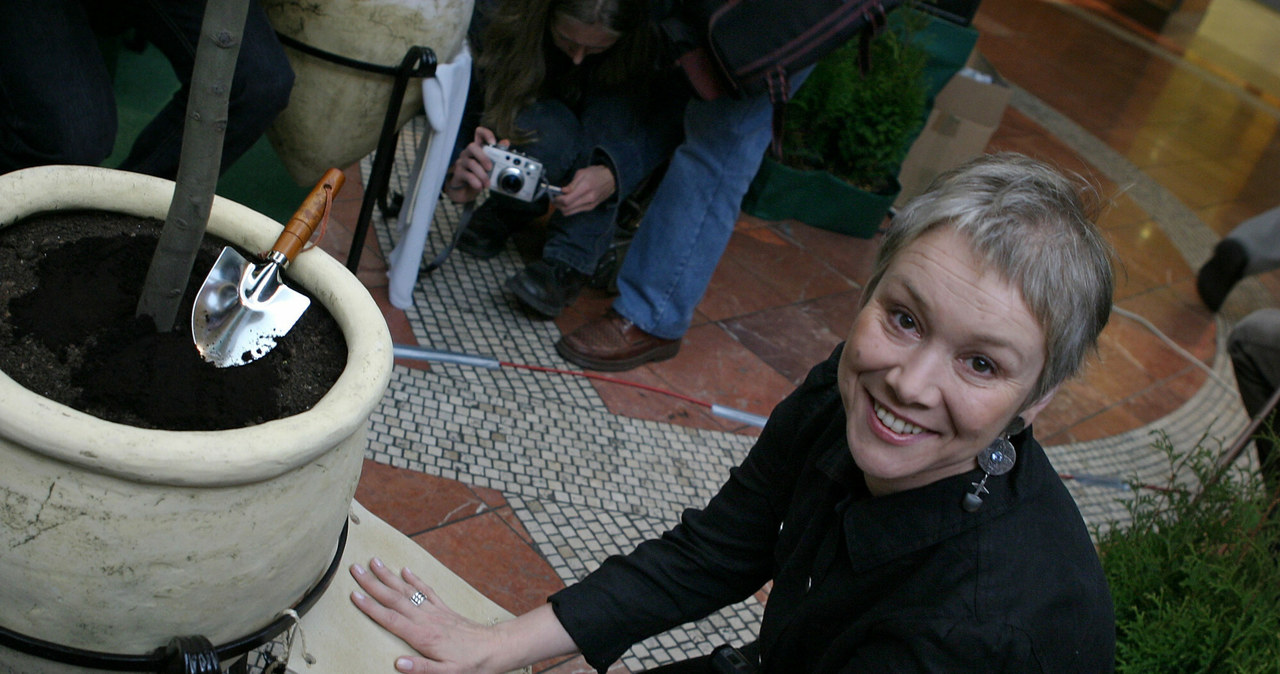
<point>221,33</point>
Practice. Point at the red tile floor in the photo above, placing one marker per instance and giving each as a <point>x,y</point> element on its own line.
<point>784,293</point>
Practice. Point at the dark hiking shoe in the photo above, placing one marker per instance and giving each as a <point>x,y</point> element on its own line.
<point>487,233</point>
<point>1221,273</point>
<point>547,286</point>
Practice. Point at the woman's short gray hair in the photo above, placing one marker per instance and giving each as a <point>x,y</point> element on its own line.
<point>1031,223</point>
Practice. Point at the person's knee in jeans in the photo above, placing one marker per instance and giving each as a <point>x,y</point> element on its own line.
<point>72,135</point>
<point>556,140</point>
<point>40,132</point>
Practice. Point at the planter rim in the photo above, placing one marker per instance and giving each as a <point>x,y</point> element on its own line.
<point>203,458</point>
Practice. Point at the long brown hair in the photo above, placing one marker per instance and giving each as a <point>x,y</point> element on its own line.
<point>517,44</point>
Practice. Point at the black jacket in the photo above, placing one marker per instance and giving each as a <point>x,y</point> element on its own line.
<point>905,582</point>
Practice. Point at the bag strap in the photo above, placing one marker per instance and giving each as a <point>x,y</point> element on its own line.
<point>463,220</point>
<point>779,93</point>
<point>780,86</point>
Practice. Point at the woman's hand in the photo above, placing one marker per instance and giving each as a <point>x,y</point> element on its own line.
<point>448,643</point>
<point>445,641</point>
<point>589,188</point>
<point>470,174</point>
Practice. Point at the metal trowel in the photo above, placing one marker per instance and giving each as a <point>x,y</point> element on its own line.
<point>243,308</point>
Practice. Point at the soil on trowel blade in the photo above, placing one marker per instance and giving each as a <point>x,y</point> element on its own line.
<point>69,288</point>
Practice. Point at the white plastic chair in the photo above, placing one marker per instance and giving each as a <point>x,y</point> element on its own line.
<point>444,98</point>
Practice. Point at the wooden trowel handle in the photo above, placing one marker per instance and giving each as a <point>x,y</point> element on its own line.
<point>298,231</point>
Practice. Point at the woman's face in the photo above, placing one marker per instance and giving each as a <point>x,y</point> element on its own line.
<point>939,361</point>
<point>579,40</point>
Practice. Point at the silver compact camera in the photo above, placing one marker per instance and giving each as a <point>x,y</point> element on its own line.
<point>517,175</point>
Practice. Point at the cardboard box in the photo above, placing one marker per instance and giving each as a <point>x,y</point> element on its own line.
<point>964,116</point>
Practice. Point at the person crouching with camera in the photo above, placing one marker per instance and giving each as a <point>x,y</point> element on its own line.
<point>577,109</point>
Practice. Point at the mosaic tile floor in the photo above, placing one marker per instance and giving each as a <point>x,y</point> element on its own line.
<point>524,481</point>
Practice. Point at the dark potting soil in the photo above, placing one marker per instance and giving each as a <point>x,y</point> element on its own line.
<point>69,288</point>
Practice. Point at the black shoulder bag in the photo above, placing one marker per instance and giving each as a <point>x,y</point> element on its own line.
<point>744,48</point>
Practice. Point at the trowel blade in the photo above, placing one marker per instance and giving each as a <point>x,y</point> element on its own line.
<point>242,309</point>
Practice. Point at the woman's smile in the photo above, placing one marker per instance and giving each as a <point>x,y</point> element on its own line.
<point>892,422</point>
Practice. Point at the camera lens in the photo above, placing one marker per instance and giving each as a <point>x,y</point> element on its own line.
<point>510,181</point>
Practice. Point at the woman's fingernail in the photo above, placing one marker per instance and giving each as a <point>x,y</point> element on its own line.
<point>408,573</point>
<point>357,594</point>
<point>404,664</point>
<point>376,563</point>
<point>359,570</point>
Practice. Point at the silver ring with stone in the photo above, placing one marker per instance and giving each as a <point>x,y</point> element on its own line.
<point>418,598</point>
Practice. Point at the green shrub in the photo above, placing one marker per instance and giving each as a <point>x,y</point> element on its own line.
<point>855,126</point>
<point>1195,577</point>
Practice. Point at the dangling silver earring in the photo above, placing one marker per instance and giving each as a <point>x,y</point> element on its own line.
<point>997,459</point>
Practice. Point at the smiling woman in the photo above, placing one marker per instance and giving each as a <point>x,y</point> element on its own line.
<point>897,500</point>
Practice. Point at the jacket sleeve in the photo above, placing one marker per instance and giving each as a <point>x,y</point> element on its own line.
<point>716,556</point>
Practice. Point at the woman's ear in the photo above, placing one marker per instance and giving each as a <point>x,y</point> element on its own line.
<point>1029,414</point>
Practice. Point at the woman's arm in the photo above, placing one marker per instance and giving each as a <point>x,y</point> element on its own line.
<point>445,640</point>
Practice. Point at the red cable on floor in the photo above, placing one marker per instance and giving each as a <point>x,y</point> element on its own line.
<point>611,380</point>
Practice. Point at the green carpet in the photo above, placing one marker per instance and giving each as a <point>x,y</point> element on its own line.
<point>144,82</point>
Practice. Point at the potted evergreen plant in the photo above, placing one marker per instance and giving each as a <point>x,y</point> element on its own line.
<point>846,132</point>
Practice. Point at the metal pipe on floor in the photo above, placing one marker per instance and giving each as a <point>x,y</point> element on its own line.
<point>409,352</point>
<point>431,355</point>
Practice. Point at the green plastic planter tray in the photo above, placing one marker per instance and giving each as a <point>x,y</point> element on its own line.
<point>816,198</point>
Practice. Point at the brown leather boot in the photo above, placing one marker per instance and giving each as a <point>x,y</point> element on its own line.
<point>614,344</point>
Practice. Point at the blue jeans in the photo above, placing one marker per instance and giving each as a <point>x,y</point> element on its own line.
<point>687,225</point>
<point>56,100</point>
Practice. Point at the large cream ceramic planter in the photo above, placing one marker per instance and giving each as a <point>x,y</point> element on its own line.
<point>336,112</point>
<point>115,538</point>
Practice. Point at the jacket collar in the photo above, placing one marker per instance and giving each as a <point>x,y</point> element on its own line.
<point>878,529</point>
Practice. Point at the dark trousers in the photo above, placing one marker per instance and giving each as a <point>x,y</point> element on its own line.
<point>1254,346</point>
<point>56,99</point>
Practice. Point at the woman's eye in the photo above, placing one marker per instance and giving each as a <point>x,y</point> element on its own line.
<point>905,321</point>
<point>982,365</point>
